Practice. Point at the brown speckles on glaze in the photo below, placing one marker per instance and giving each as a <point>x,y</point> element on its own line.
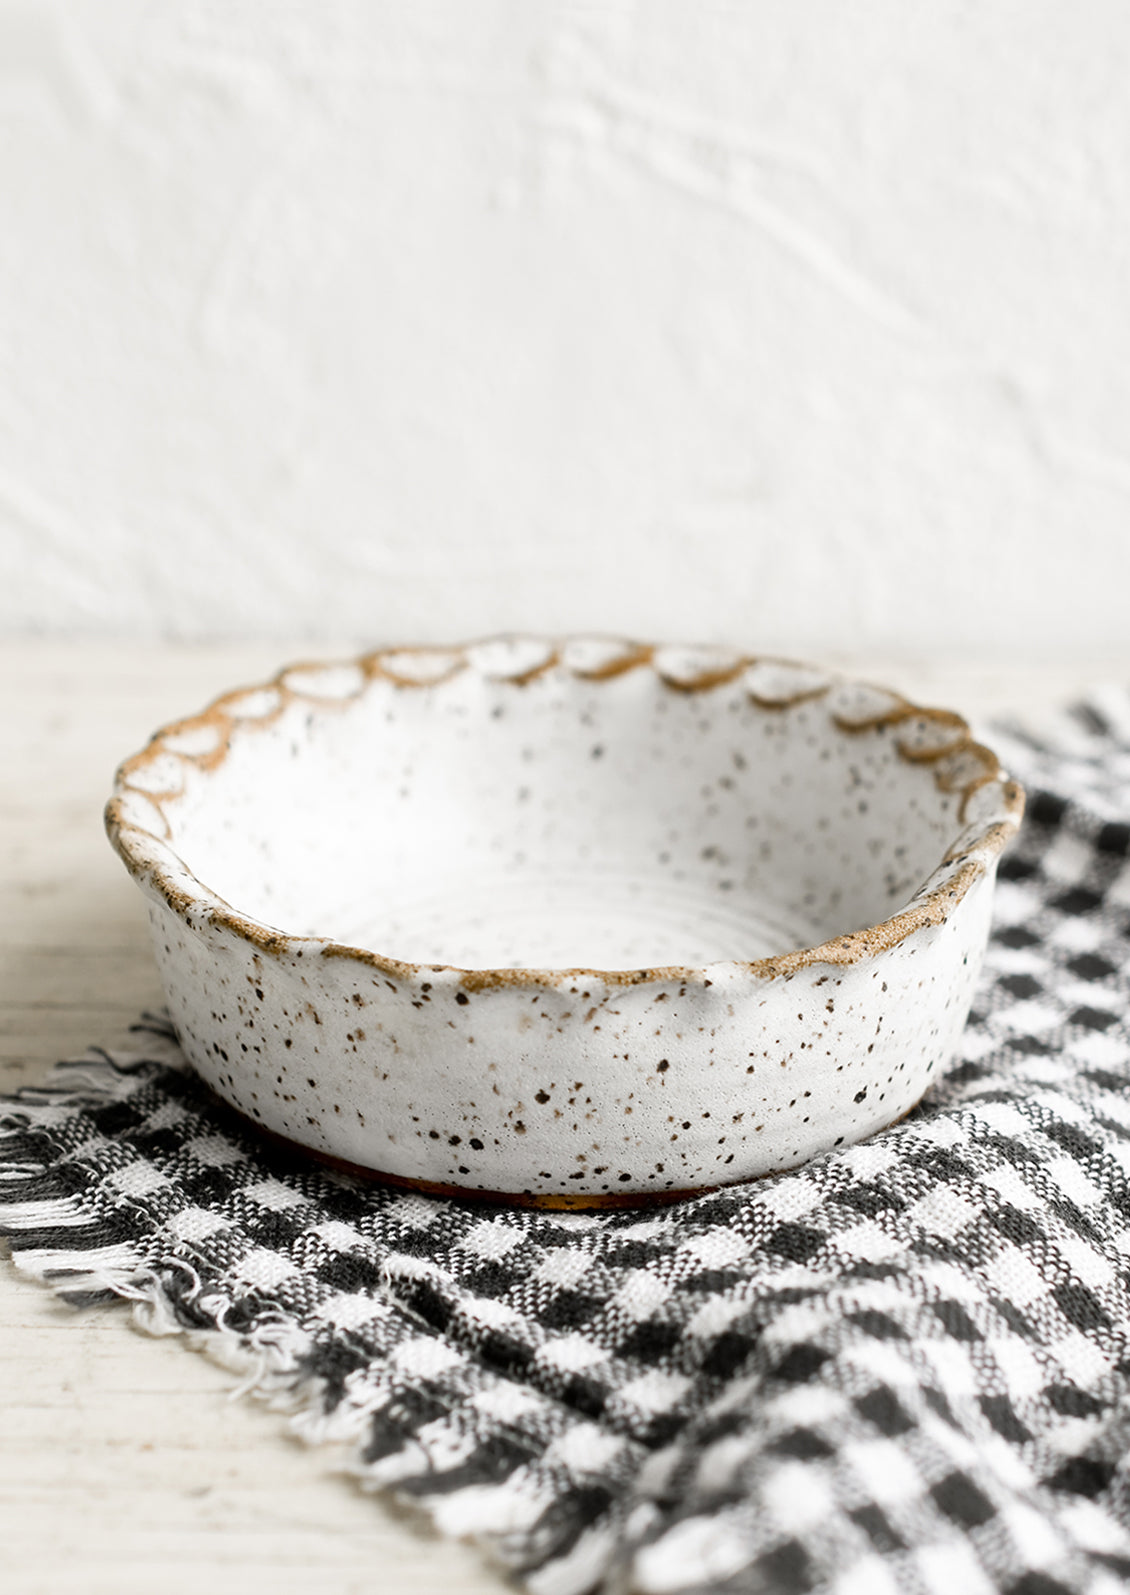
<point>649,1031</point>
<point>373,666</point>
<point>550,1202</point>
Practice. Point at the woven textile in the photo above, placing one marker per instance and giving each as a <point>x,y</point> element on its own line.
<point>905,1367</point>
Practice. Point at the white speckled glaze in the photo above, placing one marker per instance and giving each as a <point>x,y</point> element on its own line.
<point>567,922</point>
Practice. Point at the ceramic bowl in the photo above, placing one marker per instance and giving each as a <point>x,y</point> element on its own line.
<point>573,923</point>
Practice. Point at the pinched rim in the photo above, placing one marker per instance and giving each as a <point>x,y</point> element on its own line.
<point>989,811</point>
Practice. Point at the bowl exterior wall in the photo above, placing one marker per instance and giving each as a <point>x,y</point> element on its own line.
<point>569,1087</point>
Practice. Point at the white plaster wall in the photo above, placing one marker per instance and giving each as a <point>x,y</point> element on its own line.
<point>805,326</point>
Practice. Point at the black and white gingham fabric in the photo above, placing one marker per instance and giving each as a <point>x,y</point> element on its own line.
<point>905,1367</point>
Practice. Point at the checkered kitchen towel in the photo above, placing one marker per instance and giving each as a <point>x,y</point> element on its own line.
<point>905,1367</point>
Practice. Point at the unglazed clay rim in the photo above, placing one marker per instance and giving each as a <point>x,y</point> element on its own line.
<point>153,863</point>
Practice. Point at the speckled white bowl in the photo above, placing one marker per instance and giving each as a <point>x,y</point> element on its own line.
<point>571,923</point>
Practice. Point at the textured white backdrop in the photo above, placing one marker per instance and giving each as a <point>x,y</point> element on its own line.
<point>805,326</point>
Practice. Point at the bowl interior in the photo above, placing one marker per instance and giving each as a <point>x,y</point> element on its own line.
<point>560,822</point>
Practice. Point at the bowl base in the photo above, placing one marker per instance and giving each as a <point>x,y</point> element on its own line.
<point>548,1201</point>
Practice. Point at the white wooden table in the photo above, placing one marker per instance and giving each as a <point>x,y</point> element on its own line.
<point>124,1466</point>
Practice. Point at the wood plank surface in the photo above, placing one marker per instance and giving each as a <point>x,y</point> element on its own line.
<point>124,1466</point>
